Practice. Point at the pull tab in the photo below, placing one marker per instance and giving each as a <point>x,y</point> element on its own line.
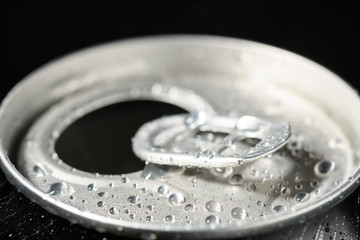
<point>207,140</point>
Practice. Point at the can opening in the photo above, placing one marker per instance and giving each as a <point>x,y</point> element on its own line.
<point>101,141</point>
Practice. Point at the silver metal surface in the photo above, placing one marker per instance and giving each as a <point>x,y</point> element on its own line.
<point>185,140</point>
<point>317,168</point>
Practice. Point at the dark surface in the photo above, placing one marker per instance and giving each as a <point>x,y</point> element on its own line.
<point>31,36</point>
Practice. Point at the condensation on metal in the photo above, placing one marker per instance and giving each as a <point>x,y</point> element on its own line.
<point>175,140</point>
<point>318,167</point>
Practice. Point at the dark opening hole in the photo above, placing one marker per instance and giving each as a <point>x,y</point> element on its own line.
<point>101,141</point>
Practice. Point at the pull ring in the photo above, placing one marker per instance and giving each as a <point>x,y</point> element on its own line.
<point>190,140</point>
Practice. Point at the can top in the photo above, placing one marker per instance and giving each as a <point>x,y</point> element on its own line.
<point>192,182</point>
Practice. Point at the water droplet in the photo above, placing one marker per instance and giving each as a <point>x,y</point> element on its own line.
<point>265,144</point>
<point>221,172</point>
<point>323,168</point>
<point>212,219</point>
<point>156,89</point>
<point>250,187</point>
<point>279,208</point>
<point>196,120</point>
<point>133,199</point>
<point>39,171</point>
<point>101,204</point>
<point>285,190</point>
<point>92,187</point>
<point>190,208</point>
<point>260,203</point>
<point>269,176</point>
<point>236,178</point>
<point>336,143</point>
<point>114,211</point>
<point>55,134</point>
<point>297,179</point>
<point>60,188</point>
<point>72,197</point>
<point>111,185</point>
<point>176,199</point>
<point>132,216</point>
<point>337,182</point>
<point>302,197</point>
<point>341,195</point>
<point>124,180</point>
<point>103,194</point>
<point>55,156</point>
<point>150,207</point>
<point>139,205</point>
<point>254,172</point>
<point>149,218</point>
<point>213,206</point>
<point>238,213</point>
<point>314,183</point>
<point>294,144</point>
<point>170,218</point>
<point>207,154</point>
<point>163,190</point>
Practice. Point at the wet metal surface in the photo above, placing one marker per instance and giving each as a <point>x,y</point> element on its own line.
<point>317,168</point>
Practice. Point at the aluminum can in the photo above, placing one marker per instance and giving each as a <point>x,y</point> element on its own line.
<point>266,138</point>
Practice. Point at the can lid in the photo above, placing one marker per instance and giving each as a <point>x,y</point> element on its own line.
<point>236,92</point>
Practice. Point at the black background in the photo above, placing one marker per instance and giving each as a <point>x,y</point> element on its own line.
<point>33,35</point>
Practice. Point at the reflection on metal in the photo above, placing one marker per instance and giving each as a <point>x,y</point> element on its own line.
<point>189,140</point>
<point>221,88</point>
